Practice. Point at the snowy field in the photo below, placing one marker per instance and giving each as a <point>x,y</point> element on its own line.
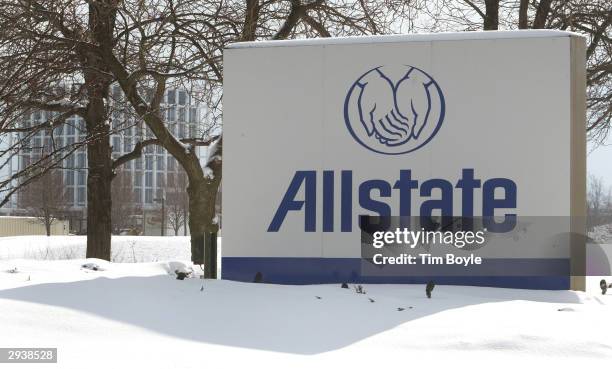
<point>138,315</point>
<point>125,249</point>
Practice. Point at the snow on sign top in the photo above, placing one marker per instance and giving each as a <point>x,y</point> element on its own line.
<point>422,37</point>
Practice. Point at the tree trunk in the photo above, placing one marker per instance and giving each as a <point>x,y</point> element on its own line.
<point>541,14</point>
<point>491,20</point>
<point>99,204</point>
<point>202,189</point>
<point>99,160</point>
<point>48,227</point>
<point>201,212</point>
<point>523,8</point>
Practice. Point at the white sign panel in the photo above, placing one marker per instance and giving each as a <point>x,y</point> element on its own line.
<point>320,132</point>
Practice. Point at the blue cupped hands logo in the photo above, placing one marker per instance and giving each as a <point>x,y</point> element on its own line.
<point>394,110</point>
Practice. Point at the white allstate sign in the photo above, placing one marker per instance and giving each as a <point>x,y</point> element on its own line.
<point>486,125</point>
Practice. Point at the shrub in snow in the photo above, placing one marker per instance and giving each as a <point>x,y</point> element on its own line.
<point>182,273</point>
<point>92,266</point>
<point>604,286</point>
<point>359,289</point>
<point>258,277</point>
<point>344,285</point>
<point>428,288</point>
<point>14,270</point>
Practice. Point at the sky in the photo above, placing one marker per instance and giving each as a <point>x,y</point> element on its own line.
<point>599,162</point>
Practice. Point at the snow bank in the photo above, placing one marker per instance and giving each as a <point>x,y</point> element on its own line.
<point>124,249</point>
<point>139,315</point>
<point>602,233</point>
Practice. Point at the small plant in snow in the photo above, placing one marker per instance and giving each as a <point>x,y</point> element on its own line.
<point>132,244</point>
<point>429,288</point>
<point>182,273</point>
<point>92,266</point>
<point>359,289</point>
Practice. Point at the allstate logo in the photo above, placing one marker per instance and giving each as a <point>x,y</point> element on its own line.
<point>394,110</point>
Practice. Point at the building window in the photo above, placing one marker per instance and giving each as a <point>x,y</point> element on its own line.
<point>149,179</point>
<point>172,114</point>
<point>182,95</point>
<point>116,93</point>
<point>70,161</point>
<point>149,196</point>
<point>81,196</point>
<point>116,144</point>
<point>149,162</point>
<point>171,97</point>
<point>70,195</point>
<point>137,195</point>
<point>81,160</point>
<point>82,177</point>
<point>127,145</point>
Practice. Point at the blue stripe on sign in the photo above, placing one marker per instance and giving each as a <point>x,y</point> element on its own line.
<point>288,270</point>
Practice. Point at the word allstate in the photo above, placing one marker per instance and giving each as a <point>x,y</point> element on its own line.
<point>403,190</point>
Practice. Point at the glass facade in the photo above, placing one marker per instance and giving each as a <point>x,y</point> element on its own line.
<point>149,173</point>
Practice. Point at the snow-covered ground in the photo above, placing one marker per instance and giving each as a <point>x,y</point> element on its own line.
<point>125,249</point>
<point>602,233</point>
<point>139,315</point>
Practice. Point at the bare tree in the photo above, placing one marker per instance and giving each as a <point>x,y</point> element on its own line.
<point>49,61</point>
<point>45,199</point>
<point>176,200</point>
<point>591,18</point>
<point>598,200</point>
<point>124,207</point>
<point>180,43</point>
<point>147,47</point>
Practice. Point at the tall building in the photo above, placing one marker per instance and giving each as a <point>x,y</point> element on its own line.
<point>144,182</point>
